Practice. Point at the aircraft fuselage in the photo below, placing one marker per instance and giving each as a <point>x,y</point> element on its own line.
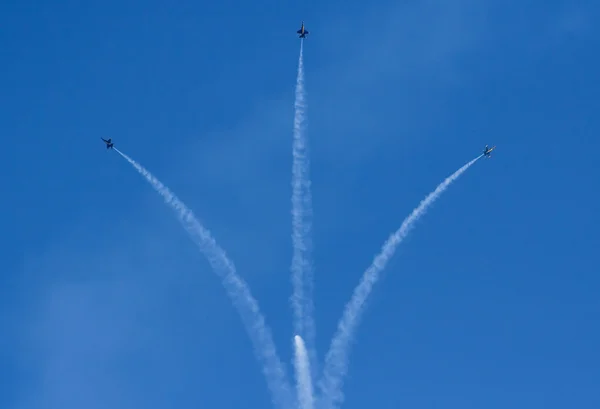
<point>487,151</point>
<point>303,32</point>
<point>108,143</point>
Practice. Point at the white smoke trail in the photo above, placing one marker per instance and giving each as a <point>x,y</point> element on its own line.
<point>302,269</point>
<point>336,361</point>
<point>303,376</point>
<point>236,289</point>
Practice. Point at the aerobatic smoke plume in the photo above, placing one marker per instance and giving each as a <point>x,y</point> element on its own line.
<point>303,376</point>
<point>302,268</point>
<point>236,289</point>
<point>305,362</point>
<point>336,361</point>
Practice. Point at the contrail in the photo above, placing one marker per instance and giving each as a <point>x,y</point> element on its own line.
<point>336,361</point>
<point>302,269</point>
<point>303,377</point>
<point>236,289</point>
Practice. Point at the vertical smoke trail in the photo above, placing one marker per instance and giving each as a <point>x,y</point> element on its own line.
<point>236,289</point>
<point>302,276</point>
<point>336,361</point>
<point>303,376</point>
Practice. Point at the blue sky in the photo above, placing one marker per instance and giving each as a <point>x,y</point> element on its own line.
<point>491,302</point>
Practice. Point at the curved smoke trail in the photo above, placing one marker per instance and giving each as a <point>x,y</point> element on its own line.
<point>336,361</point>
<point>236,288</point>
<point>302,269</point>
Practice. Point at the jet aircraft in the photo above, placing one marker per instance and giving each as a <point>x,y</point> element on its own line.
<point>303,32</point>
<point>108,143</point>
<point>488,151</point>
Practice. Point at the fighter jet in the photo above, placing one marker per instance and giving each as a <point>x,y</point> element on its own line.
<point>108,143</point>
<point>303,32</point>
<point>488,151</point>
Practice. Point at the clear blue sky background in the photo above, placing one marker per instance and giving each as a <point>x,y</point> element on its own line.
<point>492,301</point>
